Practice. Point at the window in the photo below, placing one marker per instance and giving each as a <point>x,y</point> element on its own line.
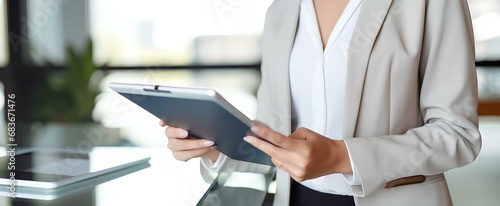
<point>53,25</point>
<point>486,18</point>
<point>3,34</point>
<point>173,32</point>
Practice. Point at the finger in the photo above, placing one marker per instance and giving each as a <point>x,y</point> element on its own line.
<point>296,178</point>
<point>294,172</point>
<point>173,132</point>
<point>301,134</point>
<point>188,144</point>
<point>278,163</point>
<point>187,155</point>
<point>162,123</point>
<point>289,168</point>
<point>273,137</point>
<point>268,148</point>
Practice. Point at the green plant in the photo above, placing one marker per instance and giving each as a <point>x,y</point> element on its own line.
<point>68,95</point>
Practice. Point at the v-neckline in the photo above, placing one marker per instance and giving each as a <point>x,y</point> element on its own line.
<point>349,10</point>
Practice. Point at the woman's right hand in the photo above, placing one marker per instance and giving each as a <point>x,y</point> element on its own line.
<point>185,148</point>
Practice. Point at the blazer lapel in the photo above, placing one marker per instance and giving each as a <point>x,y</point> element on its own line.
<point>284,30</point>
<point>282,36</point>
<point>370,20</point>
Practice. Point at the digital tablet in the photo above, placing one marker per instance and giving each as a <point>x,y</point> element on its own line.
<point>79,187</point>
<point>52,168</point>
<point>201,112</point>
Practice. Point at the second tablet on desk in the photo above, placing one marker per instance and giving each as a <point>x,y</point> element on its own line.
<point>201,112</point>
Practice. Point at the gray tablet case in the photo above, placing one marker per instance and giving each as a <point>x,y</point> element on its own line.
<point>201,112</point>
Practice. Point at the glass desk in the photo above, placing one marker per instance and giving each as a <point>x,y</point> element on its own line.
<point>162,181</point>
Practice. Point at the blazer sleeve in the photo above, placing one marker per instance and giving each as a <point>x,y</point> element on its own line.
<point>449,137</point>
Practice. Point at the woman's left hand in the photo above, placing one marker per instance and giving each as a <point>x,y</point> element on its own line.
<point>304,154</point>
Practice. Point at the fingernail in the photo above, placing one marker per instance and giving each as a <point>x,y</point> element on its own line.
<point>183,133</point>
<point>248,139</point>
<point>208,143</point>
<point>255,129</point>
<point>213,147</point>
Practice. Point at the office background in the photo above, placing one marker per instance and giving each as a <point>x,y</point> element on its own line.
<point>205,43</point>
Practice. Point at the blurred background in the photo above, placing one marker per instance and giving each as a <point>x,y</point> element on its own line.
<point>57,57</point>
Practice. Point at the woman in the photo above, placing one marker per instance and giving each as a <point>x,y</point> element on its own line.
<point>366,102</point>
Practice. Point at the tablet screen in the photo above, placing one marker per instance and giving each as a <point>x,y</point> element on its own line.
<point>46,166</point>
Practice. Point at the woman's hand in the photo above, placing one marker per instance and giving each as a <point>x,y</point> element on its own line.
<point>304,154</point>
<point>185,148</point>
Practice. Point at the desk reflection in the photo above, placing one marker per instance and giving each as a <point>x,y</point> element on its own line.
<point>162,181</point>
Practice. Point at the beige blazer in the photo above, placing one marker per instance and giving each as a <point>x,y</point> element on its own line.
<point>411,96</point>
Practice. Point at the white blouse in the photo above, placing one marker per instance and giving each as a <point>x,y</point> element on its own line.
<point>317,80</point>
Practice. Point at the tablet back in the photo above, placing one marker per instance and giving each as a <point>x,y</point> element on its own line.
<point>201,112</point>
